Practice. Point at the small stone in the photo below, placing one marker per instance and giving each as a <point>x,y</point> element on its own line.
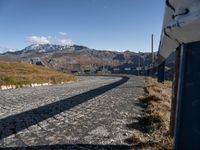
<point>125,134</point>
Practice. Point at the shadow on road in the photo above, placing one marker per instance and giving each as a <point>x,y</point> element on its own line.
<point>72,147</point>
<point>15,123</point>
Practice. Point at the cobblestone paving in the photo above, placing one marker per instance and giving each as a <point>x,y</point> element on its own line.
<point>90,114</point>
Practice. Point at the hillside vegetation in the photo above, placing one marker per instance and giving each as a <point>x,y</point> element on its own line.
<point>15,73</point>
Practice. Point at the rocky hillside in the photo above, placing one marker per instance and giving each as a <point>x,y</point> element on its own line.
<point>77,59</point>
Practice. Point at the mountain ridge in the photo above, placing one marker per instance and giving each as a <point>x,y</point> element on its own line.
<point>77,58</point>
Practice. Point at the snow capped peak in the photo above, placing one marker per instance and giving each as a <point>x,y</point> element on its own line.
<point>33,46</point>
<point>41,48</point>
<point>44,47</point>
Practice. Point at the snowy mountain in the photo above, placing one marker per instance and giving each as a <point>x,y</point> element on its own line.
<point>44,47</point>
<point>41,48</point>
<point>78,58</point>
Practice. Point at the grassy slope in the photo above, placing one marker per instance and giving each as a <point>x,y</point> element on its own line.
<point>156,118</point>
<point>15,73</point>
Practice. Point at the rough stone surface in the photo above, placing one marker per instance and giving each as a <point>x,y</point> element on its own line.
<point>89,114</point>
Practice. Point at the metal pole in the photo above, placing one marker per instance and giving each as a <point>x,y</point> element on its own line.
<point>161,72</point>
<point>152,48</point>
<point>139,64</point>
<point>187,124</point>
<point>174,93</point>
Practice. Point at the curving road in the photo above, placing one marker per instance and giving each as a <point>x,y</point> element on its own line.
<point>90,114</point>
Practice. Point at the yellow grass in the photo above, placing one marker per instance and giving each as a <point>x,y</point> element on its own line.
<point>156,117</point>
<point>15,73</point>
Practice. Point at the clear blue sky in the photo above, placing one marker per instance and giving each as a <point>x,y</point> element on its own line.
<point>100,24</point>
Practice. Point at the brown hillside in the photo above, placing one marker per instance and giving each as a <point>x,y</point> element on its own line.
<point>15,73</point>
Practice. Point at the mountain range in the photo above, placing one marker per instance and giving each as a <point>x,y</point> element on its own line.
<point>77,58</point>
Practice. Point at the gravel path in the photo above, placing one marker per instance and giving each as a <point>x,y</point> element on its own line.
<point>89,114</point>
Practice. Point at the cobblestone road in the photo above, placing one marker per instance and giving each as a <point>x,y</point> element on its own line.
<point>89,114</point>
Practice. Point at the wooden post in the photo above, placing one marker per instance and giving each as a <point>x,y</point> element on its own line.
<point>174,92</point>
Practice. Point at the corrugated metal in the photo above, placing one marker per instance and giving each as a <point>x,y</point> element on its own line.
<point>181,24</point>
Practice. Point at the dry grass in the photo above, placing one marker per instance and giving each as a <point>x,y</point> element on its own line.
<point>156,117</point>
<point>15,73</point>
